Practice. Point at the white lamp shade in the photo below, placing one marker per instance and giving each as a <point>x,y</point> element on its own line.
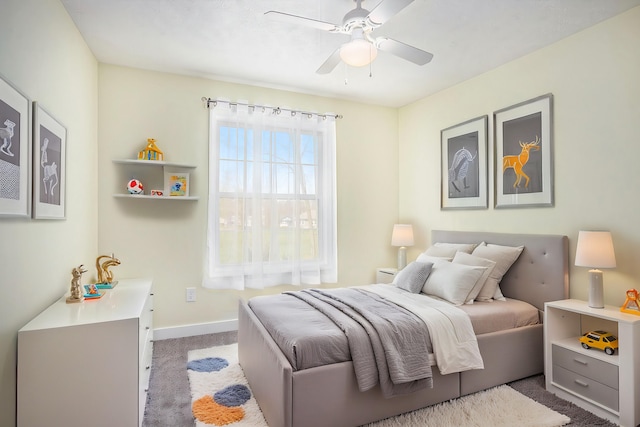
<point>402,235</point>
<point>358,53</point>
<point>595,250</point>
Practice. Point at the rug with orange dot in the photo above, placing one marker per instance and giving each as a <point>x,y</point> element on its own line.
<point>220,395</point>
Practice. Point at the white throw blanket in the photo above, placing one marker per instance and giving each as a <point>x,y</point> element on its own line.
<point>454,343</point>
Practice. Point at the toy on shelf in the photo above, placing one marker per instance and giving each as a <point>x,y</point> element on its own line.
<point>76,277</point>
<point>105,277</point>
<point>631,303</point>
<point>91,292</point>
<point>135,186</point>
<point>600,339</point>
<point>151,151</point>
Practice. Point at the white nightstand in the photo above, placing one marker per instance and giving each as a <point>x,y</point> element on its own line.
<point>608,386</point>
<point>385,274</point>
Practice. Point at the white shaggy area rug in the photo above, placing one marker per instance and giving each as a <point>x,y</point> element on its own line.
<point>220,396</point>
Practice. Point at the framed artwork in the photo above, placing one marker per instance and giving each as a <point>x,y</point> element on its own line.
<point>524,154</point>
<point>49,165</point>
<point>15,152</point>
<point>464,165</point>
<point>176,184</point>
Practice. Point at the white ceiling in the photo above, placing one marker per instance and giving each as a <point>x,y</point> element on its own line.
<point>232,40</point>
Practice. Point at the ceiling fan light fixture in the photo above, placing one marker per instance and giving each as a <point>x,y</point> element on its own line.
<point>358,52</point>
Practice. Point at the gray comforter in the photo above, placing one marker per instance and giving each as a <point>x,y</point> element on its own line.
<point>389,345</point>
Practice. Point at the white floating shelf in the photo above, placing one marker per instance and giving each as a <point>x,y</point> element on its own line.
<point>145,196</point>
<point>153,163</point>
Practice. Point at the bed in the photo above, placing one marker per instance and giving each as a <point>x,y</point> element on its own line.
<point>328,395</point>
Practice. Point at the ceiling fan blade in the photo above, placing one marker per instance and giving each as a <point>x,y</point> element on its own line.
<point>386,10</point>
<point>404,51</point>
<point>295,19</point>
<point>332,61</point>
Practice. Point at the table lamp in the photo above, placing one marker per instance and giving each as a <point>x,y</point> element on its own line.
<point>402,236</point>
<point>595,250</point>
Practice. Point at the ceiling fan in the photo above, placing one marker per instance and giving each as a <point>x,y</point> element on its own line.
<point>363,47</point>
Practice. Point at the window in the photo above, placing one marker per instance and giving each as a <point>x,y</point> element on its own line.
<point>271,217</point>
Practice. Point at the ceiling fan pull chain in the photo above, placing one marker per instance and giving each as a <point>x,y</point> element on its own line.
<point>346,74</point>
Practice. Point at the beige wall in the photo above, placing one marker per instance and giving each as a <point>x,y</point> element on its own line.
<point>594,80</point>
<point>593,76</point>
<point>43,55</point>
<point>166,239</point>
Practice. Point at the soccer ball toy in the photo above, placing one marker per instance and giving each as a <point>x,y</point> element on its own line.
<point>135,187</point>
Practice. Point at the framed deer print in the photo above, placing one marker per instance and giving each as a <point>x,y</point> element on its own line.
<point>49,165</point>
<point>524,154</point>
<point>464,165</point>
<point>15,152</point>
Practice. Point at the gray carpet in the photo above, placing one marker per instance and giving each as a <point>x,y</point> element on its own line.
<point>169,400</point>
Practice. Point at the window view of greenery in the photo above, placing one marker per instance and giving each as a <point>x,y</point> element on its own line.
<point>281,169</point>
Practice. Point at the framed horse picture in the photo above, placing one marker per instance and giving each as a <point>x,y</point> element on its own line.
<point>524,154</point>
<point>464,165</point>
<point>15,152</point>
<point>49,165</point>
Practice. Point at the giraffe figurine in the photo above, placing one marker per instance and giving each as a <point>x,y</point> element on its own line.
<point>76,286</point>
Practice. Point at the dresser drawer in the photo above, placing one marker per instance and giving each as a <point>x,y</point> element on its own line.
<point>589,367</point>
<point>586,387</point>
<point>146,324</point>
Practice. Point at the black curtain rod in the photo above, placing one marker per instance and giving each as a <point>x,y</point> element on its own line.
<point>276,110</point>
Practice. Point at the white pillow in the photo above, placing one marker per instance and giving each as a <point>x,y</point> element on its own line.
<point>466,259</point>
<point>452,282</point>
<point>504,257</point>
<point>433,259</point>
<point>413,276</point>
<point>448,250</point>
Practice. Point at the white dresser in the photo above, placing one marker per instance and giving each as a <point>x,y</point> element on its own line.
<point>88,364</point>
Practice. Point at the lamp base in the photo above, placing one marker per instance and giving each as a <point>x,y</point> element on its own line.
<point>596,290</point>
<point>402,258</point>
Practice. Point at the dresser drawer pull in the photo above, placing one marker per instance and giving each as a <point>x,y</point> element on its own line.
<point>582,362</point>
<point>147,328</point>
<point>147,367</point>
<point>581,383</point>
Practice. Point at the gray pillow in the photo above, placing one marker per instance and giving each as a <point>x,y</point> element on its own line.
<point>413,276</point>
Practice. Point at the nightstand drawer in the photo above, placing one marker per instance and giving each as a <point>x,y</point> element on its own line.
<point>588,367</point>
<point>586,387</point>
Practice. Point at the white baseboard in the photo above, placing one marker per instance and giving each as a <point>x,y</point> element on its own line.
<point>198,329</point>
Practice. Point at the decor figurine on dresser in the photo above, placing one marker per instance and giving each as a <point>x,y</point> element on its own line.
<point>76,287</point>
<point>105,277</point>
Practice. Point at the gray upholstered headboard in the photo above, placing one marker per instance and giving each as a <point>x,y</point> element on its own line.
<point>540,274</point>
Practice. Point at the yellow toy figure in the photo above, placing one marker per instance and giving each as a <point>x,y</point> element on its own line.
<point>631,303</point>
<point>151,151</point>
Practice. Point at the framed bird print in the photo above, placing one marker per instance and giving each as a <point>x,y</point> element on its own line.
<point>464,165</point>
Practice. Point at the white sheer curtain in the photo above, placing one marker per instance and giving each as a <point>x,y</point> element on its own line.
<point>272,198</point>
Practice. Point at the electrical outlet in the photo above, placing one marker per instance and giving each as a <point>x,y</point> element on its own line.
<point>191,294</point>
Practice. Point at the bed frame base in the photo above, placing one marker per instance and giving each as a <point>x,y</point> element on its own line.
<point>329,395</point>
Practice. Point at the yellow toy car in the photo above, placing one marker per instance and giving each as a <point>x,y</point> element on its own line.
<point>600,339</point>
